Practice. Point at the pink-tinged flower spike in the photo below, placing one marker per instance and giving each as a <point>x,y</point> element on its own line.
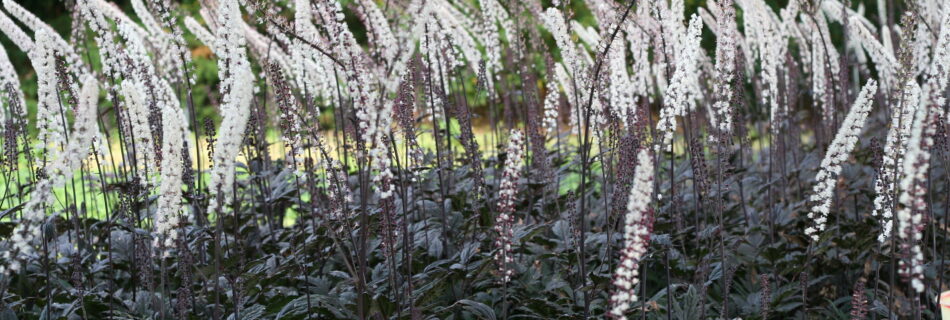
<point>898,135</point>
<point>678,97</point>
<point>237,85</point>
<point>912,198</point>
<point>838,152</point>
<point>154,93</point>
<point>504,255</point>
<point>59,170</point>
<point>638,224</point>
<point>911,214</point>
<point>375,122</point>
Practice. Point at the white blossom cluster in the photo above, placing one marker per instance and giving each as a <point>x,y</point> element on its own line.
<point>59,170</point>
<point>838,152</point>
<point>237,85</point>
<point>309,65</point>
<point>819,77</point>
<point>141,134</point>
<point>144,91</point>
<point>444,29</point>
<point>379,154</point>
<point>939,71</point>
<point>824,61</point>
<point>638,224</point>
<point>168,215</point>
<point>507,189</point>
<point>493,16</point>
<point>641,79</point>
<point>573,72</point>
<point>883,58</point>
<point>383,37</point>
<point>50,126</point>
<point>670,35</point>
<point>337,190</point>
<point>109,51</point>
<point>678,98</point>
<point>15,34</point>
<point>554,22</point>
<point>431,47</point>
<point>902,117</point>
<point>171,49</point>
<point>726,44</point>
<point>621,91</point>
<point>768,43</point>
<point>551,105</point>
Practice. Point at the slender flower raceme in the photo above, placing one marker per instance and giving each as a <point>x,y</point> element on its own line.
<point>50,126</point>
<point>838,152</point>
<point>913,194</point>
<point>13,31</point>
<point>137,113</point>
<point>912,199</point>
<point>638,224</point>
<point>726,45</point>
<point>504,255</point>
<point>895,148</point>
<point>621,90</point>
<point>493,15</point>
<point>237,90</point>
<point>913,203</point>
<point>109,50</point>
<point>169,191</point>
<point>554,22</point>
<point>641,76</point>
<point>767,41</point>
<point>551,104</point>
